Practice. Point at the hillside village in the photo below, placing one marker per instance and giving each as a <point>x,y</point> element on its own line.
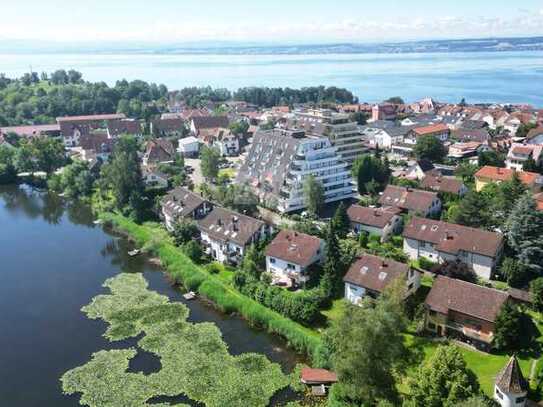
<point>340,202</point>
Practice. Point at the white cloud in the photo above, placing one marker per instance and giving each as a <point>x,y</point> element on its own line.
<point>349,29</point>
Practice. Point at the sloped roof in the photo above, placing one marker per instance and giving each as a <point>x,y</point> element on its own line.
<point>376,217</point>
<point>317,376</point>
<point>505,174</point>
<point>442,184</point>
<point>510,379</point>
<point>410,199</point>
<point>225,225</point>
<point>375,273</point>
<point>294,247</point>
<point>431,129</point>
<point>449,294</point>
<point>94,117</point>
<point>451,238</point>
<point>181,202</point>
<point>209,122</point>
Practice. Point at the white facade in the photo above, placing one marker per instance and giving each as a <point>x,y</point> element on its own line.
<point>315,157</point>
<point>505,399</point>
<point>228,145</point>
<point>339,129</point>
<point>384,232</point>
<point>222,251</point>
<point>481,265</point>
<point>189,146</point>
<point>282,269</point>
<point>355,293</point>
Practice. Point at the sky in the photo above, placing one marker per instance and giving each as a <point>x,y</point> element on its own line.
<point>275,21</point>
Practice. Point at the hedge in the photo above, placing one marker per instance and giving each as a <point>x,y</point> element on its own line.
<point>195,278</point>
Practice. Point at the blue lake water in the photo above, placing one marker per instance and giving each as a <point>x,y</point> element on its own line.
<point>501,77</point>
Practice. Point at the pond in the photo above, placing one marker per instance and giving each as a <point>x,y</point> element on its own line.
<point>53,261</point>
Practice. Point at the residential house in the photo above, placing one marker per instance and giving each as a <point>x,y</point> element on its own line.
<point>73,127</point>
<point>412,201</point>
<point>181,203</point>
<point>420,169</point>
<point>153,178</point>
<point>291,254</point>
<point>320,380</point>
<point>199,123</point>
<point>439,130</point>
<point>95,145</point>
<point>519,154</point>
<point>158,151</point>
<point>441,184</point>
<point>489,174</point>
<point>168,127</point>
<point>385,138</point>
<point>441,241</point>
<point>223,139</point>
<point>116,128</point>
<point>371,275</point>
<point>534,136</point>
<point>48,130</point>
<point>463,310</point>
<point>189,146</point>
<point>463,135</point>
<point>384,111</point>
<point>343,133</point>
<point>226,234</point>
<point>470,149</point>
<point>382,222</point>
<point>510,386</point>
<point>279,162</point>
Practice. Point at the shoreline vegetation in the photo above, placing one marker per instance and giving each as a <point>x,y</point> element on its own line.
<point>182,271</point>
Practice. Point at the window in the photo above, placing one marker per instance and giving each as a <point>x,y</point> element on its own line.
<point>291,266</point>
<point>272,260</point>
<point>431,326</point>
<point>432,313</point>
<point>499,393</point>
<point>410,287</point>
<point>520,400</point>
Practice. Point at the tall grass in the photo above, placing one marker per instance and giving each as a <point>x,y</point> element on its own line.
<point>195,278</point>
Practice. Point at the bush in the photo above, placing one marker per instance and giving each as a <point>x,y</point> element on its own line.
<point>214,268</point>
<point>426,264</point>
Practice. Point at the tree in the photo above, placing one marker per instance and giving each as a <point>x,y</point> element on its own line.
<point>209,162</point>
<point>193,250</point>
<point>472,211</point>
<point>515,273</point>
<point>430,148</point>
<point>504,199</point>
<point>443,381</point>
<point>514,330</point>
<point>313,195</point>
<point>239,127</point>
<point>466,171</point>
<point>455,269</point>
<point>536,290</point>
<point>341,222</point>
<point>76,180</point>
<point>397,100</point>
<point>531,166</point>
<point>479,401</point>
<point>360,118</point>
<point>491,158</point>
<point>371,174</point>
<point>121,176</point>
<point>8,173</point>
<point>523,129</point>
<point>184,231</point>
<point>367,349</point>
<point>524,231</point>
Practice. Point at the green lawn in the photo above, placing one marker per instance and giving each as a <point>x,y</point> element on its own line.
<point>334,313</point>
<point>228,172</point>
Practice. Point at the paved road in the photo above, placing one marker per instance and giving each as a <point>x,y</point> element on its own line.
<point>197,177</point>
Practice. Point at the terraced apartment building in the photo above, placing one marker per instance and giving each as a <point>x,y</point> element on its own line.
<point>280,161</point>
<point>343,133</point>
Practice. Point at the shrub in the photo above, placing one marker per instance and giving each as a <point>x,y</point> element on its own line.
<point>425,263</point>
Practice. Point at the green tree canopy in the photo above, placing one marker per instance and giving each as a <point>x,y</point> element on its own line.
<point>514,330</point>
<point>313,195</point>
<point>371,174</point>
<point>444,380</point>
<point>209,162</point>
<point>341,222</point>
<point>430,148</point>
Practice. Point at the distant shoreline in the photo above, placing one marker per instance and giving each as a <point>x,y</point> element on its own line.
<point>516,44</point>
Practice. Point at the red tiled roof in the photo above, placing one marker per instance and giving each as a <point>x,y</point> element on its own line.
<point>376,217</point>
<point>375,273</point>
<point>114,116</point>
<point>314,376</point>
<point>432,129</point>
<point>448,294</point>
<point>451,238</point>
<point>505,174</point>
<point>34,130</point>
<point>294,247</point>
